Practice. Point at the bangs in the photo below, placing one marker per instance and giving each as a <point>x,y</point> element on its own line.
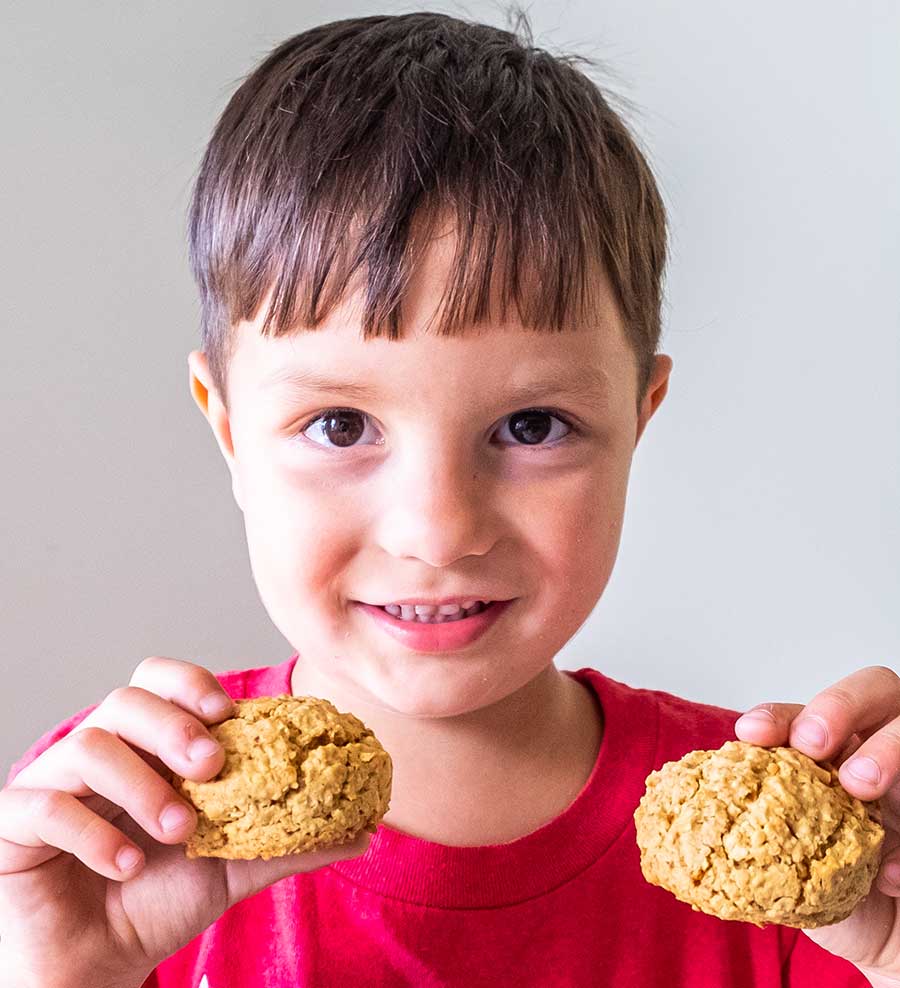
<point>533,266</point>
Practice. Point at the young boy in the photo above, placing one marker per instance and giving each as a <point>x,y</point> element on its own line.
<point>430,261</point>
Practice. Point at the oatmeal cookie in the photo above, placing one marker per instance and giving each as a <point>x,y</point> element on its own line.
<point>297,776</point>
<point>763,835</point>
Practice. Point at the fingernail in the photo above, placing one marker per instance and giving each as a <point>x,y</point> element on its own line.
<point>757,718</point>
<point>174,817</point>
<point>866,769</point>
<point>892,874</point>
<point>128,859</point>
<point>202,748</point>
<point>215,705</point>
<point>811,732</point>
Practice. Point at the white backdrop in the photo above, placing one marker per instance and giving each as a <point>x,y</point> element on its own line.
<point>760,553</point>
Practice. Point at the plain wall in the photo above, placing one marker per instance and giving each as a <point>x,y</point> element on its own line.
<point>759,558</point>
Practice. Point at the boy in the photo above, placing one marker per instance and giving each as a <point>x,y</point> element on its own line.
<point>430,261</point>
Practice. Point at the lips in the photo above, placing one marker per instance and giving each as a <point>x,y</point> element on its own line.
<point>446,636</point>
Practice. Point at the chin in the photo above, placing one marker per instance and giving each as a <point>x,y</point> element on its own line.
<point>437,698</point>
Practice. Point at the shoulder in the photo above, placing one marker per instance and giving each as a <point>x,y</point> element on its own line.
<point>687,724</point>
<point>237,683</point>
<point>680,724</point>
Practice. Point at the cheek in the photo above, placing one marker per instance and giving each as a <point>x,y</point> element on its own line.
<point>573,541</point>
<point>300,535</point>
<point>577,540</point>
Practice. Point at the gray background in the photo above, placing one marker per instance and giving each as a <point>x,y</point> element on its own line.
<point>759,556</point>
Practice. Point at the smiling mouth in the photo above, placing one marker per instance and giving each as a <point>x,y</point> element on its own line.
<point>454,633</point>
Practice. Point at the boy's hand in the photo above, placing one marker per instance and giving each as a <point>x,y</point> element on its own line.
<point>856,725</point>
<point>72,911</point>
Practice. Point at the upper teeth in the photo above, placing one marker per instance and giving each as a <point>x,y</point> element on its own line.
<point>409,612</point>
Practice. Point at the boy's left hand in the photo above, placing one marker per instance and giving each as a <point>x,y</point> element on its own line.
<point>855,722</point>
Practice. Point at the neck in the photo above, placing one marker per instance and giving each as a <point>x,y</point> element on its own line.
<point>488,776</point>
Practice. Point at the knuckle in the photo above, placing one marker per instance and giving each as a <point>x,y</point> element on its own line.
<point>839,700</point>
<point>146,665</point>
<point>90,829</point>
<point>184,729</point>
<point>119,697</point>
<point>87,740</point>
<point>48,804</point>
<point>890,736</point>
<point>200,678</point>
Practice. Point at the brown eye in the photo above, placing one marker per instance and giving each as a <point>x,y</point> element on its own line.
<point>338,427</point>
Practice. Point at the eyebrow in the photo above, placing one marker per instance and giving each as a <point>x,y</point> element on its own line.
<point>592,384</point>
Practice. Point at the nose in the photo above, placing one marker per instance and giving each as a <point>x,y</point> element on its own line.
<point>435,507</point>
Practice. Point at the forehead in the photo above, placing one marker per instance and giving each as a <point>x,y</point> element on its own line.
<point>474,357</point>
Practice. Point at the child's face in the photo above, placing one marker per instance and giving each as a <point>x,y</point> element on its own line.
<point>434,488</point>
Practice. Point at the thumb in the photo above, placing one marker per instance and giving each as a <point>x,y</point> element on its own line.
<point>246,878</point>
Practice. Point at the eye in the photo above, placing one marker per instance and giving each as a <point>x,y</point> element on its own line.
<point>337,428</point>
<point>341,428</point>
<point>532,426</point>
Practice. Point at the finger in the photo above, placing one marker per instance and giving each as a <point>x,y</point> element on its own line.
<point>849,748</point>
<point>767,724</point>
<point>36,824</point>
<point>164,729</point>
<point>859,703</point>
<point>94,761</point>
<point>189,685</point>
<point>245,878</point>
<point>875,765</point>
<point>888,877</point>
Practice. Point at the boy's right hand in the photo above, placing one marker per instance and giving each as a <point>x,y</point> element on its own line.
<point>70,914</point>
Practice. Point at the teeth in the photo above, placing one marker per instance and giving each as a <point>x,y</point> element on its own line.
<point>432,614</point>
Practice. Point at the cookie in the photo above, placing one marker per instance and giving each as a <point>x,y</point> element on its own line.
<point>763,835</point>
<point>298,776</point>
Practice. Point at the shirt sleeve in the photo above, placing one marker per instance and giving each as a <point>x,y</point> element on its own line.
<point>808,965</point>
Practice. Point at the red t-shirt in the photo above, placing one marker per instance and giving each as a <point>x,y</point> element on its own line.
<point>563,906</point>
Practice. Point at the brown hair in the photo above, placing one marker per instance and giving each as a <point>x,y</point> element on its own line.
<point>345,137</point>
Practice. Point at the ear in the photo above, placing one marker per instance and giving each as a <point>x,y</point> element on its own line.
<point>210,403</point>
<point>656,391</point>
